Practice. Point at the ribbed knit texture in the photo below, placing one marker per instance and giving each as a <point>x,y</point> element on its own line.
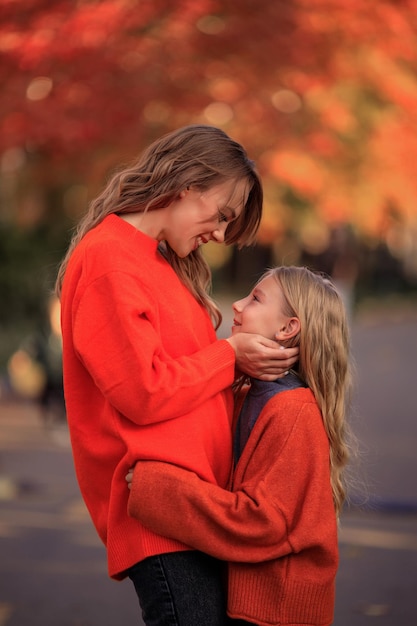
<point>252,592</point>
<point>145,378</point>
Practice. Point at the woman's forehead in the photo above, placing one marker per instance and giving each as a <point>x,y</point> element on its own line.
<point>238,193</point>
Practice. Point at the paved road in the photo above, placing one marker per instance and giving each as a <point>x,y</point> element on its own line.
<point>53,568</point>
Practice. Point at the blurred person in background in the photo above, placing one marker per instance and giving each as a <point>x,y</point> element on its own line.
<point>35,368</point>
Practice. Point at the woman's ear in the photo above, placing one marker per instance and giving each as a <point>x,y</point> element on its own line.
<point>184,192</point>
<point>288,330</point>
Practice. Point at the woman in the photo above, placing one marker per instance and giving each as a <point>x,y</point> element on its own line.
<point>144,374</point>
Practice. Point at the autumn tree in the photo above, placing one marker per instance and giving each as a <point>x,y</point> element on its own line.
<point>322,93</point>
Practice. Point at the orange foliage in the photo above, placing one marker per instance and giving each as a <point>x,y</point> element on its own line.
<point>323,94</point>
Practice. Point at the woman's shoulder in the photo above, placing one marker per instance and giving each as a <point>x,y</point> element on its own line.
<point>116,246</point>
<point>115,235</point>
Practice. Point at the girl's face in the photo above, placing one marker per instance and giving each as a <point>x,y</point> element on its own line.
<point>262,311</point>
<point>201,216</point>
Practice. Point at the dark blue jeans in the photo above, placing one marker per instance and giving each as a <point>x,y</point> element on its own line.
<point>181,589</point>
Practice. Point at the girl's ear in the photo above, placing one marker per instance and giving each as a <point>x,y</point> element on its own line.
<point>288,330</point>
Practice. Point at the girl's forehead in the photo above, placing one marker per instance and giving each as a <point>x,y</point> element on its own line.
<point>267,283</point>
<point>270,288</point>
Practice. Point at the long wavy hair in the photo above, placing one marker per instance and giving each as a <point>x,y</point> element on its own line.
<point>324,360</point>
<point>195,156</point>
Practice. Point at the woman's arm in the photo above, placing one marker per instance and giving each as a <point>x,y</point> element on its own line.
<point>116,338</point>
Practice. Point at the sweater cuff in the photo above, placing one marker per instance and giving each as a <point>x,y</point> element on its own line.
<point>220,355</point>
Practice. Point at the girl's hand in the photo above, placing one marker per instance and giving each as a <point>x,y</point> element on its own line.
<point>262,358</point>
<point>129,478</point>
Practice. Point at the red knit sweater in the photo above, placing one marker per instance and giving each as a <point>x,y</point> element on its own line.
<point>277,528</point>
<point>144,377</point>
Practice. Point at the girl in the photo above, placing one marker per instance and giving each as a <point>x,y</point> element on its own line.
<point>277,526</point>
<point>144,375</point>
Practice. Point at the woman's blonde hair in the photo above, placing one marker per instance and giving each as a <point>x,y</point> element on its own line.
<point>324,360</point>
<point>195,156</point>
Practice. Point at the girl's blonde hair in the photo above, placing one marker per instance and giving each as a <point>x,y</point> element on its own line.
<point>195,156</point>
<point>324,359</point>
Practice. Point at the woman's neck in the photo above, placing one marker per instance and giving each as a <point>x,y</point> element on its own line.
<point>149,222</point>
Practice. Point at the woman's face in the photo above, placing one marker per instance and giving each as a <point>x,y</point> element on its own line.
<point>201,216</point>
<point>262,311</point>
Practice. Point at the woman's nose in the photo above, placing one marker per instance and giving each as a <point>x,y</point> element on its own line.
<point>219,234</point>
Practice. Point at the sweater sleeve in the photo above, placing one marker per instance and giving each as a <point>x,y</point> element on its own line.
<point>116,338</point>
<point>233,526</point>
<point>282,503</point>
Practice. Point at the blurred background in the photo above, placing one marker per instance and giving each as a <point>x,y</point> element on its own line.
<point>323,95</point>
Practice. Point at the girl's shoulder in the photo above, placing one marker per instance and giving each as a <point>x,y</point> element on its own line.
<point>284,409</point>
<point>293,398</point>
<point>289,420</point>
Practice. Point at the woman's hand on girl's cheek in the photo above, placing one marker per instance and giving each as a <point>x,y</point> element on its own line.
<point>262,358</point>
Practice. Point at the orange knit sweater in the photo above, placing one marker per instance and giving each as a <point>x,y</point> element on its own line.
<point>277,527</point>
<point>144,377</point>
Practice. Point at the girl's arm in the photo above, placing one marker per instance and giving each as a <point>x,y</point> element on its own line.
<point>282,502</point>
<point>233,526</point>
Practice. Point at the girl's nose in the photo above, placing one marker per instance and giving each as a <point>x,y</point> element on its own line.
<point>238,305</point>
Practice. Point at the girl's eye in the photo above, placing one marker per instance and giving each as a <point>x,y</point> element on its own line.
<point>255,298</point>
<point>222,217</point>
